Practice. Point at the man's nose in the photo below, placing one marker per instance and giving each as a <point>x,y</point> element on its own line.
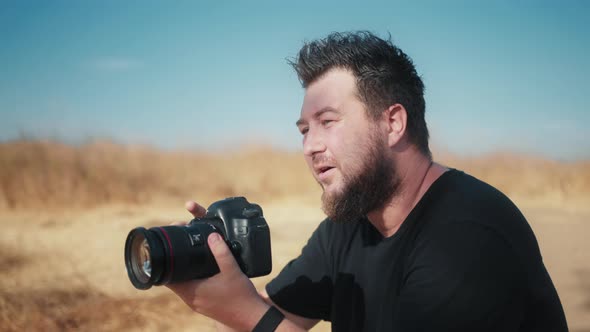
<point>312,144</point>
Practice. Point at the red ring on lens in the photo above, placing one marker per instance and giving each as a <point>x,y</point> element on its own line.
<point>171,255</point>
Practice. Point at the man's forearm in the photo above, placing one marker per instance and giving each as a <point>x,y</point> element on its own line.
<point>291,322</point>
<point>285,326</point>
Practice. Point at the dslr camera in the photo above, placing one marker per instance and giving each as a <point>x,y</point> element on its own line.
<point>170,254</point>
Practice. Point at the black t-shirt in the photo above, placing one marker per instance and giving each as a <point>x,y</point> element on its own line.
<point>465,259</point>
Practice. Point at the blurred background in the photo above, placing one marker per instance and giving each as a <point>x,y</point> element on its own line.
<point>112,114</point>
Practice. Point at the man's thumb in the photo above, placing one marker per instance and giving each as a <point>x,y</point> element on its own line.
<point>223,256</point>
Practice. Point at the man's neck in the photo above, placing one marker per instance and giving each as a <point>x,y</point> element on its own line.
<point>415,177</point>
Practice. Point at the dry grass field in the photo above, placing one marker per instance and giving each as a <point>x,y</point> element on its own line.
<point>65,212</point>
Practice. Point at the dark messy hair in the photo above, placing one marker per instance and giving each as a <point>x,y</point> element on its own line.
<point>385,75</point>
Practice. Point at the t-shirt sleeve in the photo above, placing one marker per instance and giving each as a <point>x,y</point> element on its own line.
<point>461,277</point>
<point>304,286</point>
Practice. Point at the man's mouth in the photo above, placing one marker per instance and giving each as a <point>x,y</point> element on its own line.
<point>324,171</point>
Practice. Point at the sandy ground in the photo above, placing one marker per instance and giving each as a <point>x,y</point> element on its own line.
<point>63,271</point>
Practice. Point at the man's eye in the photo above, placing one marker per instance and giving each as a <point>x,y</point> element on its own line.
<point>304,131</point>
<point>326,122</point>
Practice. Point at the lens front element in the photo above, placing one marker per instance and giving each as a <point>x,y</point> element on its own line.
<point>140,258</point>
<point>144,256</point>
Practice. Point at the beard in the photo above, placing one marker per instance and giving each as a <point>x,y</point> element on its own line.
<point>367,189</point>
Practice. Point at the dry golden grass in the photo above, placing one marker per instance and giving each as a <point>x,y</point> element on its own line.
<point>65,212</point>
<point>53,175</point>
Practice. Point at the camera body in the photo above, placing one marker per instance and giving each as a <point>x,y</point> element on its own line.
<point>170,254</point>
<point>245,231</point>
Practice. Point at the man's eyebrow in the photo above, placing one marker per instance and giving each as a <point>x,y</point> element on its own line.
<point>317,115</point>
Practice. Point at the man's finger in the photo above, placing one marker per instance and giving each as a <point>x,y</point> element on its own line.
<point>178,223</point>
<point>223,256</point>
<point>195,209</point>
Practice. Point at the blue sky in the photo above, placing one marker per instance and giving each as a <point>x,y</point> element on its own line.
<point>507,75</point>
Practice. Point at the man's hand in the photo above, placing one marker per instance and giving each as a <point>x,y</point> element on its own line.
<point>229,296</point>
<point>195,209</point>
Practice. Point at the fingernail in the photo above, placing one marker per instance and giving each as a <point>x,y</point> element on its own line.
<point>214,238</point>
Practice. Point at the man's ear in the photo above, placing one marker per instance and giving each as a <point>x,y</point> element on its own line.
<point>396,118</point>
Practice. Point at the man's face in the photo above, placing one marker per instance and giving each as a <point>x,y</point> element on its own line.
<point>344,149</point>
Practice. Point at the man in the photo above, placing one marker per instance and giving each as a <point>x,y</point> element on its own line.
<point>409,245</point>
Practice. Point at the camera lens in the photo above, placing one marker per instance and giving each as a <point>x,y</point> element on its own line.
<point>162,255</point>
<point>145,258</point>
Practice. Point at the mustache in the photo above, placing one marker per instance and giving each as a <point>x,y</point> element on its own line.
<point>321,159</point>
